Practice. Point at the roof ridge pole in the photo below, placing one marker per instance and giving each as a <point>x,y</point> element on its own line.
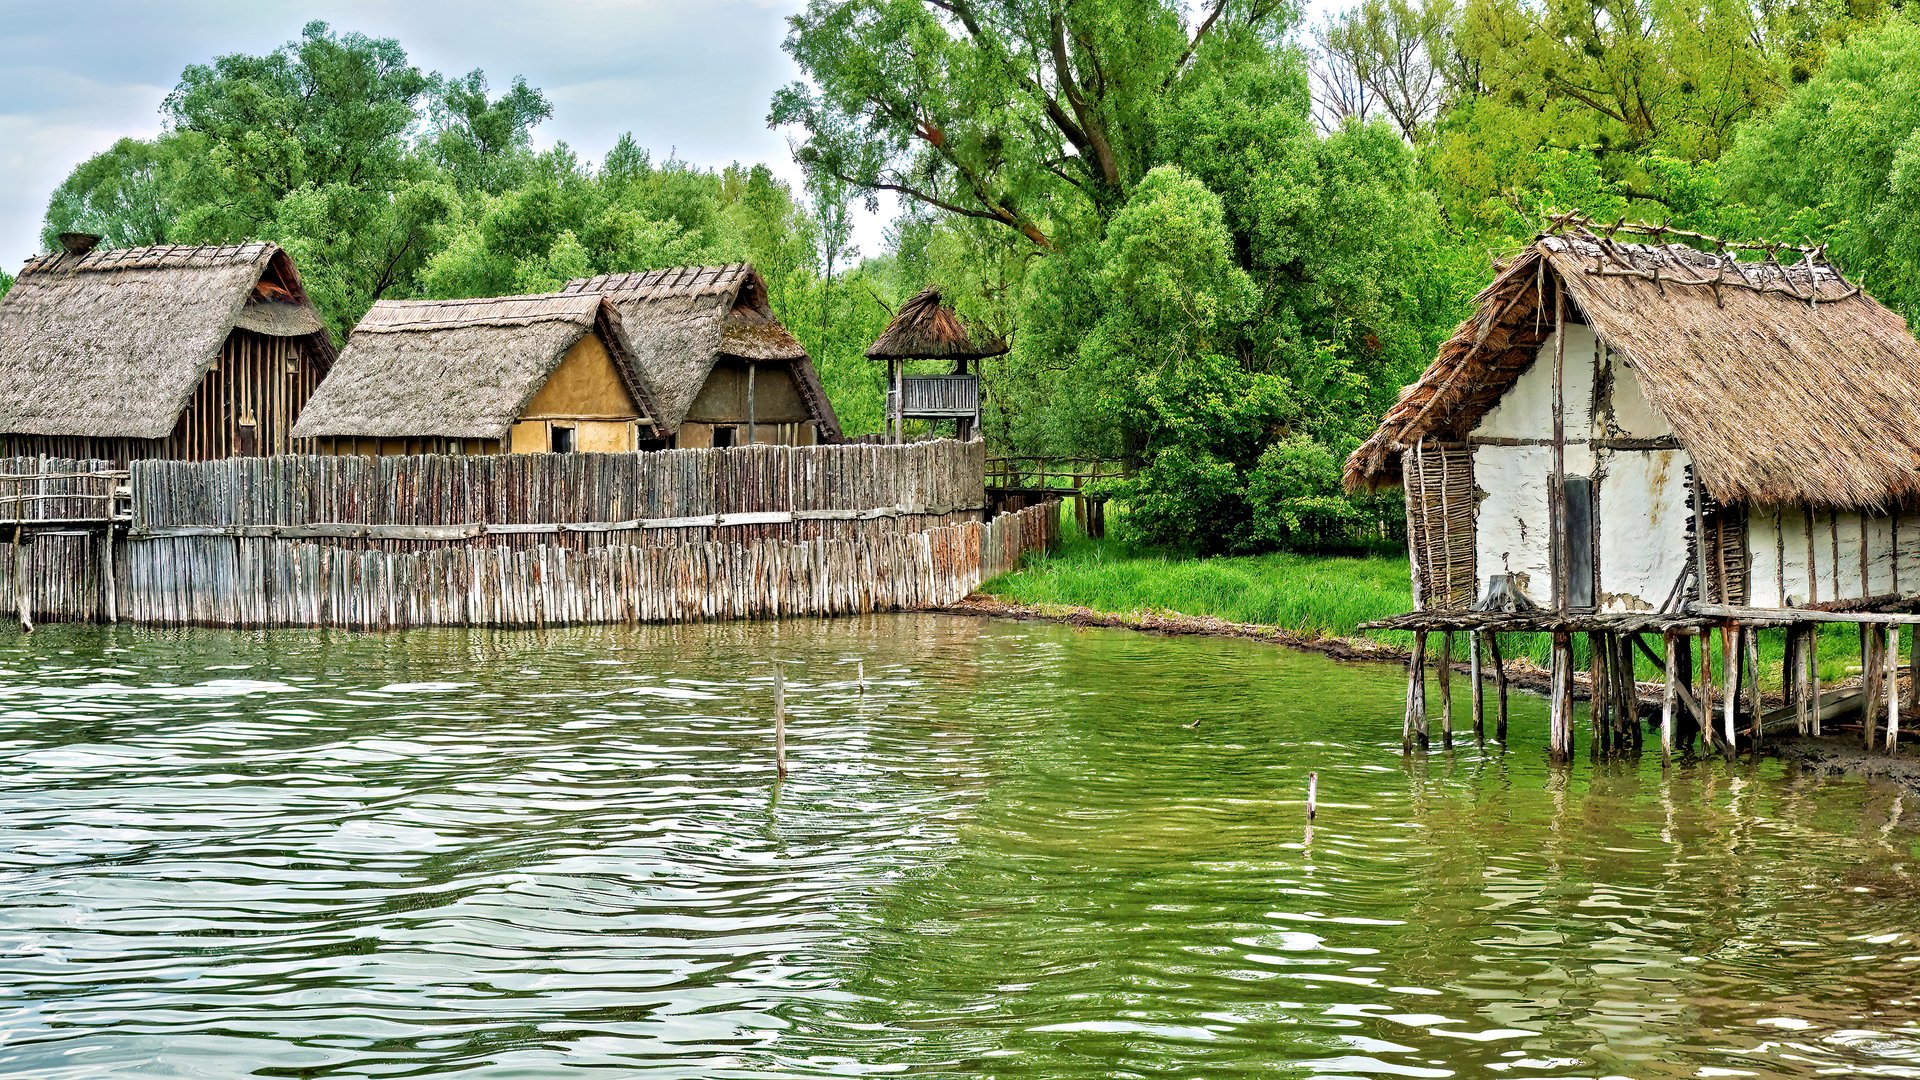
<point>1557,496</point>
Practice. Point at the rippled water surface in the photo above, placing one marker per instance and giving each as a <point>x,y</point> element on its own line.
<point>1023,851</point>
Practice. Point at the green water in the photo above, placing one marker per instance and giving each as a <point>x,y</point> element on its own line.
<point>565,853</point>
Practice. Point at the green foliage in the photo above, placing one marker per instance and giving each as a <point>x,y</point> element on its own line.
<point>6,282</point>
<point>1839,162</point>
<point>1294,498</point>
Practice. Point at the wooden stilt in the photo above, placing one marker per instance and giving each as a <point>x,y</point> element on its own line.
<point>1414,727</point>
<point>1813,677</point>
<point>1630,692</point>
<point>1446,689</point>
<point>1668,700</point>
<point>1599,694</point>
<point>1478,678</point>
<point>1912,704</point>
<point>1707,731</point>
<point>1752,665</point>
<point>1797,669</point>
<point>1730,661</point>
<point>1689,721</point>
<point>1870,669</point>
<point>1893,686</point>
<point>1560,729</point>
<point>1499,688</point>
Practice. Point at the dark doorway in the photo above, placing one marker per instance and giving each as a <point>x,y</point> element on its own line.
<point>1580,516</point>
<point>561,439</point>
<point>723,436</point>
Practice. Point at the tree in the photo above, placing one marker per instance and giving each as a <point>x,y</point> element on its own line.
<point>6,282</point>
<point>125,195</point>
<point>1839,162</point>
<point>1385,55</point>
<point>1027,114</point>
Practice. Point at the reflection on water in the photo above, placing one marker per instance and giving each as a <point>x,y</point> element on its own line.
<point>1009,855</point>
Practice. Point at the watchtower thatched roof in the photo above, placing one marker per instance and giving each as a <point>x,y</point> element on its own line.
<point>458,368</point>
<point>112,343</point>
<point>1784,382</point>
<point>683,320</point>
<point>926,329</point>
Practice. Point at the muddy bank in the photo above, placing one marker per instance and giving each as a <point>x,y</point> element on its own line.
<point>1842,755</point>
<point>1521,674</point>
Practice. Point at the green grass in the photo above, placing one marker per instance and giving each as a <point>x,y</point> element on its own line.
<point>1309,594</point>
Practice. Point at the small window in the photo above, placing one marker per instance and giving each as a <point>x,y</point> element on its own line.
<point>723,436</point>
<point>561,439</point>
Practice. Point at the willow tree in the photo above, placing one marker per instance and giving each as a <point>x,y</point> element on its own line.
<point>1027,113</point>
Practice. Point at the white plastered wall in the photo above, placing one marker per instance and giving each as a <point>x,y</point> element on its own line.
<point>1642,498</point>
<point>1802,558</point>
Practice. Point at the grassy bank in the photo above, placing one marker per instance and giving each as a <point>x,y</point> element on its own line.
<point>1308,594</point>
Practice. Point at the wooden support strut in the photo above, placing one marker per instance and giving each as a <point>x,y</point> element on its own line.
<point>1669,698</point>
<point>1478,679</point>
<point>1446,690</point>
<point>1499,687</point>
<point>1560,726</point>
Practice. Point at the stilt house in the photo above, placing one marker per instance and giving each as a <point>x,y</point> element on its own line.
<point>515,374</point>
<point>1768,407</point>
<point>157,352</point>
<point>721,368</point>
<point>1658,437</point>
<point>926,329</point>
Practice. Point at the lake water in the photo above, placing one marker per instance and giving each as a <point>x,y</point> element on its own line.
<point>1014,855</point>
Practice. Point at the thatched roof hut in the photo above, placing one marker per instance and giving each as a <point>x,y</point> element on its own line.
<point>114,344</point>
<point>462,369</point>
<point>685,321</point>
<point>926,329</point>
<point>1786,384</point>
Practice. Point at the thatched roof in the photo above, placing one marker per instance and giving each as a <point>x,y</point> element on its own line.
<point>113,343</point>
<point>682,320</point>
<point>926,329</point>
<point>462,369</point>
<point>1784,383</point>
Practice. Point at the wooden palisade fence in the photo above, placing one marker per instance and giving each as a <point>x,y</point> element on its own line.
<point>533,540</point>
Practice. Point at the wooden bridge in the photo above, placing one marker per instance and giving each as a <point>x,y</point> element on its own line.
<point>1014,483</point>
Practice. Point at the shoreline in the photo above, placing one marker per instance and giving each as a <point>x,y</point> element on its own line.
<point>1823,756</point>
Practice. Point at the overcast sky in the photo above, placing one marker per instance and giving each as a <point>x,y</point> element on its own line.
<point>692,76</point>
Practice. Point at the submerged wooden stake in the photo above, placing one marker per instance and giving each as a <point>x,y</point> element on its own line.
<point>1753,682</point>
<point>1813,677</point>
<point>779,721</point>
<point>1313,794</point>
<point>1446,689</point>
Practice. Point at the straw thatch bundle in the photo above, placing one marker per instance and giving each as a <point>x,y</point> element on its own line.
<point>1784,383</point>
<point>682,320</point>
<point>113,343</point>
<point>926,329</point>
<point>458,368</point>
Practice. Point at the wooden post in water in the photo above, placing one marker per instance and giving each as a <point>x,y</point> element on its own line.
<point>1499,688</point>
<point>1630,690</point>
<point>1598,695</point>
<point>1705,697</point>
<point>1669,699</point>
<point>1414,728</point>
<point>1560,714</point>
<point>1730,663</point>
<point>1446,689</point>
<point>1813,677</point>
<point>779,721</point>
<point>1313,794</point>
<point>1893,686</point>
<point>1478,679</point>
<point>1870,674</point>
<point>1753,682</point>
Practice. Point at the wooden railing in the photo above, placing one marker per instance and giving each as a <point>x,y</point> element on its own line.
<point>1015,482</point>
<point>936,396</point>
